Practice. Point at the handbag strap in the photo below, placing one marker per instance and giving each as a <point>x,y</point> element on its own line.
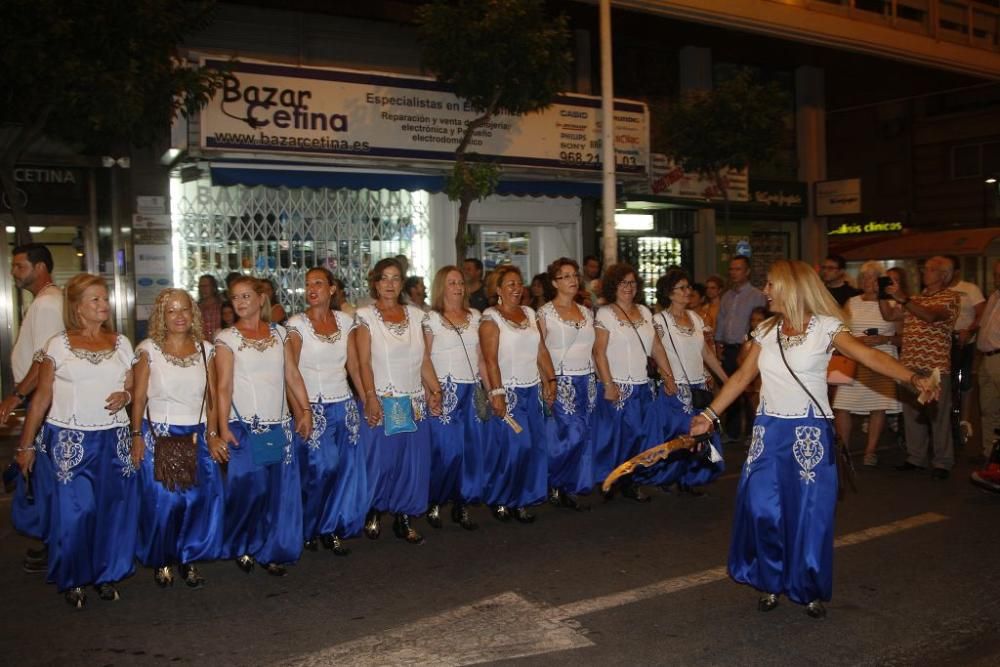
<point>284,401</point>
<point>634,328</point>
<point>777,335</point>
<point>204,396</point>
<point>462,339</point>
<point>680,362</point>
<point>571,343</point>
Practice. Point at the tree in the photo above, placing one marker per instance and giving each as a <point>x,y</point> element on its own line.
<point>98,76</point>
<point>502,57</point>
<point>738,123</point>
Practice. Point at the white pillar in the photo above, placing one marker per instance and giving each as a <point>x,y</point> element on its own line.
<point>810,130</point>
<point>609,235</point>
<point>705,247</point>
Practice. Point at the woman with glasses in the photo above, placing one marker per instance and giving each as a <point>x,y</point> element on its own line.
<point>624,342</point>
<point>568,331</point>
<point>520,377</point>
<point>400,386</point>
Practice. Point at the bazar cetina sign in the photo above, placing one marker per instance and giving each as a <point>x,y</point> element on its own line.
<point>266,108</point>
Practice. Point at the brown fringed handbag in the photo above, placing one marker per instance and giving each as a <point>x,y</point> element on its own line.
<point>175,457</point>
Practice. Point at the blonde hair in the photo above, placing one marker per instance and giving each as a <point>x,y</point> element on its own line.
<point>73,295</point>
<point>439,285</point>
<point>798,291</point>
<point>259,288</point>
<point>871,266</point>
<point>158,319</point>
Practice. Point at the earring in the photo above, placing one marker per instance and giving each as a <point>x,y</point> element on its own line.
<point>499,300</point>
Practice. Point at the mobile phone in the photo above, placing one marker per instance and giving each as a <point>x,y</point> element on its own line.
<point>871,332</point>
<point>883,282</point>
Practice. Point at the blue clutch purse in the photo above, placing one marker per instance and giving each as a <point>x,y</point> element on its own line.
<point>397,414</point>
<point>268,447</point>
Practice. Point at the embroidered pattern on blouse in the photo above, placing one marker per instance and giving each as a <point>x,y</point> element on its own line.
<point>257,344</point>
<point>324,338</point>
<point>38,356</point>
<point>591,393</point>
<point>512,323</point>
<point>395,328</point>
<point>624,393</point>
<point>756,447</point>
<point>124,451</point>
<point>352,419</point>
<point>684,396</point>
<point>93,357</point>
<point>566,394</point>
<point>449,399</point>
<point>67,454</point>
<point>319,426</point>
<point>550,308</point>
<point>808,451</point>
<point>461,327</point>
<point>181,362</point>
<point>788,342</point>
<point>257,427</point>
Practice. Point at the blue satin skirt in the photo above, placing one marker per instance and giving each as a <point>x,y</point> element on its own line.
<point>516,464</point>
<point>95,506</point>
<point>669,418</point>
<point>263,515</point>
<point>568,437</point>
<point>620,429</point>
<point>399,468</point>
<point>30,515</point>
<point>179,526</point>
<point>783,525</point>
<point>332,471</point>
<point>457,447</point>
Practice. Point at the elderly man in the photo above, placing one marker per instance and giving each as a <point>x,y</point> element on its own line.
<point>928,322</point>
<point>988,345</point>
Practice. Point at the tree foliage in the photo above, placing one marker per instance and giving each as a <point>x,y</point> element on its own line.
<point>502,57</point>
<point>95,75</point>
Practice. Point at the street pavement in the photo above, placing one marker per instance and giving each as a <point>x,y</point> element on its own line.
<point>915,583</point>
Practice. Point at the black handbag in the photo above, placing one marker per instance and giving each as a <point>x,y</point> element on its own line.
<point>175,457</point>
<point>700,398</point>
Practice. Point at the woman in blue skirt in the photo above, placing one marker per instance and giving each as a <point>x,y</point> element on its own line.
<point>172,381</point>
<point>451,333</point>
<point>257,378</point>
<point>84,385</point>
<point>568,331</point>
<point>400,387</point>
<point>682,334</point>
<point>624,424</point>
<point>782,541</point>
<point>331,460</point>
<point>516,458</point>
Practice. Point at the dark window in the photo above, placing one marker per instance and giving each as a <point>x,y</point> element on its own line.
<point>965,161</point>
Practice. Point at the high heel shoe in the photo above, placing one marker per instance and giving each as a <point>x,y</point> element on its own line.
<point>108,592</point>
<point>163,576</point>
<point>404,531</point>
<point>767,602</point>
<point>372,527</point>
<point>633,492</point>
<point>460,515</point>
<point>815,609</point>
<point>311,545</point>
<point>555,497</point>
<point>523,516</point>
<point>501,513</point>
<point>275,570</point>
<point>569,502</point>
<point>333,543</point>
<point>75,597</point>
<point>434,516</point>
<point>192,578</point>
<point>245,563</point>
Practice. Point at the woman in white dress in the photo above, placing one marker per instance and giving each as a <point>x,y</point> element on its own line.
<point>172,381</point>
<point>871,394</point>
<point>400,386</point>
<point>331,460</point>
<point>568,331</point>
<point>257,375</point>
<point>84,385</point>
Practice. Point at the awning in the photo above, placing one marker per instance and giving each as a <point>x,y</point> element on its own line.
<point>913,245</point>
<point>298,175</point>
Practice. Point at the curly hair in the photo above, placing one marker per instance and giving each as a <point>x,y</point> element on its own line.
<point>665,285</point>
<point>158,318</point>
<point>613,275</point>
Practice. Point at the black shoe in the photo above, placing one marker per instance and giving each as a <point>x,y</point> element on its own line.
<point>633,492</point>
<point>245,563</point>
<point>311,545</point>
<point>76,598</point>
<point>107,592</point>
<point>163,576</point>
<point>767,602</point>
<point>815,609</point>
<point>940,473</point>
<point>434,516</point>
<point>372,527</point>
<point>567,501</point>
<point>501,513</point>
<point>690,490</point>
<point>460,515</point>
<point>404,531</point>
<point>523,516</point>
<point>40,555</point>
<point>333,543</point>
<point>35,566</point>
<point>555,497</point>
<point>906,466</point>
<point>192,578</point>
<point>276,570</point>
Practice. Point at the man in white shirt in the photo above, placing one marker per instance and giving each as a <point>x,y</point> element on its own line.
<point>963,346</point>
<point>988,345</point>
<point>31,269</point>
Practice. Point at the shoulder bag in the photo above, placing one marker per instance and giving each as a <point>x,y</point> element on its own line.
<point>175,457</point>
<point>842,456</point>
<point>700,398</point>
<point>397,411</point>
<point>479,397</point>
<point>652,370</point>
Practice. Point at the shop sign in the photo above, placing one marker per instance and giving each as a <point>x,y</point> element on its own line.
<point>870,227</point>
<point>668,178</point>
<point>784,195</point>
<point>841,197</point>
<point>50,190</point>
<point>266,108</point>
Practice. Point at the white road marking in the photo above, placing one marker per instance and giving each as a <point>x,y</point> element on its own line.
<point>508,626</point>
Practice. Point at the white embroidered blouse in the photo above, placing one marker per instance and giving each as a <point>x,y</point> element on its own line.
<point>397,350</point>
<point>176,386</point>
<point>686,359</point>
<point>84,380</point>
<point>446,352</point>
<point>570,344</point>
<point>517,354</point>
<point>626,356</point>
<point>258,375</point>
<point>323,360</point>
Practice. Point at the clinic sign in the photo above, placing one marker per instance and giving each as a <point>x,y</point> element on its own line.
<point>266,108</point>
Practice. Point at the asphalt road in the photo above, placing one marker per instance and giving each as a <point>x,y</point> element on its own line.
<point>916,583</point>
